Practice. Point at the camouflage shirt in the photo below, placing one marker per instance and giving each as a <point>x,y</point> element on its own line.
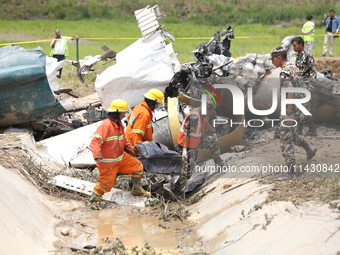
<point>290,77</point>
<point>190,124</point>
<point>305,64</point>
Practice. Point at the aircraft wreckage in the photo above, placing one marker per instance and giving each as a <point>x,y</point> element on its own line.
<point>148,63</point>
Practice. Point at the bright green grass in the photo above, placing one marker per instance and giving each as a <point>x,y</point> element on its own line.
<point>44,29</point>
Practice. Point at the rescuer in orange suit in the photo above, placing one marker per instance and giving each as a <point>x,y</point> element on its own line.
<point>139,127</point>
<point>108,145</point>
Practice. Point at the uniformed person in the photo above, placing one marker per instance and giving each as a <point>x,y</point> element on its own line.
<point>191,139</point>
<point>305,64</point>
<point>139,127</point>
<point>111,151</point>
<point>289,78</point>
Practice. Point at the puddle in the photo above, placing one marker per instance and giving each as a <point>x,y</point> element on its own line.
<point>134,227</point>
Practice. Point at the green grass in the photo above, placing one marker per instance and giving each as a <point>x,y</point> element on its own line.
<point>44,29</point>
<point>96,28</point>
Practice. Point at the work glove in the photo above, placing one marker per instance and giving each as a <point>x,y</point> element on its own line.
<point>184,154</point>
<point>214,135</point>
<point>98,160</point>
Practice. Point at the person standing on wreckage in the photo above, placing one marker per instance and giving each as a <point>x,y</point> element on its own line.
<point>289,77</point>
<point>113,154</point>
<point>305,64</point>
<point>139,127</point>
<point>191,139</point>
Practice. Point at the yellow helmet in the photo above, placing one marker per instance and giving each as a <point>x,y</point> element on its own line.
<point>118,105</point>
<point>155,95</point>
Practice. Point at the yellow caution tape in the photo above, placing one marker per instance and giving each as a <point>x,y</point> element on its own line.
<point>179,38</point>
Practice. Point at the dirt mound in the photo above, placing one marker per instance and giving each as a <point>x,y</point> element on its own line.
<point>328,62</point>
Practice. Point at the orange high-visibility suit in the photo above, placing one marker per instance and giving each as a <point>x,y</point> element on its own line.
<point>109,143</point>
<point>196,134</point>
<point>139,128</point>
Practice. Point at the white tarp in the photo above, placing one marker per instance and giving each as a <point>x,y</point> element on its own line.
<point>144,65</point>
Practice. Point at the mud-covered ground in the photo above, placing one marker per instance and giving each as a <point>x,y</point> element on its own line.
<point>330,63</point>
<point>314,182</point>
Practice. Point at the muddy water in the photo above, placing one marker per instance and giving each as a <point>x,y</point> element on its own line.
<point>134,226</point>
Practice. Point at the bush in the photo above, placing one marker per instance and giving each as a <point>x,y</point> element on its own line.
<point>61,14</point>
<point>174,12</point>
<point>218,7</point>
<point>228,8</point>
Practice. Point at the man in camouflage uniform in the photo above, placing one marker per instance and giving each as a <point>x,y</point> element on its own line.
<point>305,64</point>
<point>289,77</point>
<point>190,140</point>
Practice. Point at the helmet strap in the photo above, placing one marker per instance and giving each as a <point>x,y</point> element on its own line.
<point>114,116</point>
<point>150,103</point>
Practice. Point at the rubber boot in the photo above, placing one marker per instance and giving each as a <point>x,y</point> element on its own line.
<point>299,129</point>
<point>310,149</point>
<point>137,189</point>
<point>312,129</point>
<point>94,201</point>
<point>291,174</point>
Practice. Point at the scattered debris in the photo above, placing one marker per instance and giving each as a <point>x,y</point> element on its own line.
<point>227,186</point>
<point>117,247</point>
<point>65,232</point>
<point>238,148</point>
<point>117,196</point>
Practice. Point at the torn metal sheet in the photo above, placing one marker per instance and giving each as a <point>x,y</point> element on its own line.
<point>27,85</point>
<point>89,61</point>
<point>117,196</point>
<point>148,63</point>
<point>63,148</point>
<point>139,68</point>
<point>148,20</point>
<point>83,160</point>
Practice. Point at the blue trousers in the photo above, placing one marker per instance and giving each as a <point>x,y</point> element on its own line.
<point>60,58</point>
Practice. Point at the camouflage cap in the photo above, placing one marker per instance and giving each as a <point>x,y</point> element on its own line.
<point>276,51</point>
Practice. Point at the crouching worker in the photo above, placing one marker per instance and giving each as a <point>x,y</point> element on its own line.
<point>191,139</point>
<point>108,145</point>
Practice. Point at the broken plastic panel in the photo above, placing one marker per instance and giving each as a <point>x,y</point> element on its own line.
<point>117,196</point>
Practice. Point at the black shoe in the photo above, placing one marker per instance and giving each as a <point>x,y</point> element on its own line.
<point>58,76</point>
<point>289,176</point>
<point>323,55</point>
<point>311,133</point>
